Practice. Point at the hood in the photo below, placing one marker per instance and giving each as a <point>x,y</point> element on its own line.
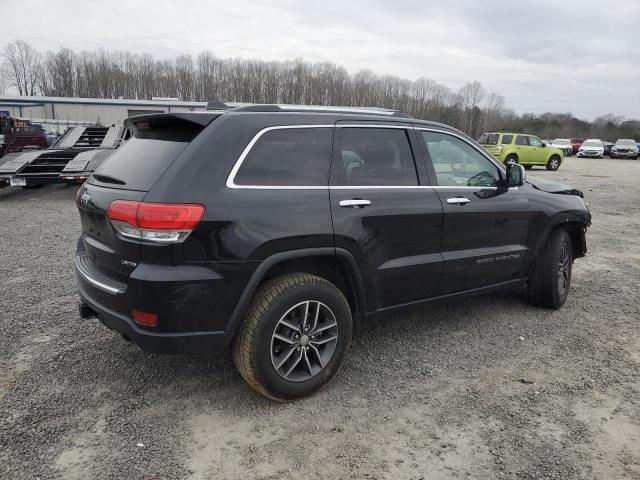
<point>552,187</point>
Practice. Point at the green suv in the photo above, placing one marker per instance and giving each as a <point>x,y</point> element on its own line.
<point>528,150</point>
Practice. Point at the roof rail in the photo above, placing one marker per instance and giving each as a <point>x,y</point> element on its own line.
<point>321,109</point>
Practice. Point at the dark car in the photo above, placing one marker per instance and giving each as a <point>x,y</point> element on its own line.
<point>576,143</point>
<point>280,230</point>
<point>17,135</point>
<point>607,147</point>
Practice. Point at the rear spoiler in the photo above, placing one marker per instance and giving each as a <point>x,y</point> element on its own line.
<point>199,118</point>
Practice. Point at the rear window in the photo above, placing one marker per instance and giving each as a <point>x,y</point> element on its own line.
<point>137,164</point>
<point>288,157</point>
<point>140,161</point>
<point>507,139</point>
<point>488,139</point>
<point>522,140</point>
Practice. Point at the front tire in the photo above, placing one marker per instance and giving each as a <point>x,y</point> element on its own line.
<point>511,158</point>
<point>296,334</point>
<point>550,281</point>
<point>553,163</point>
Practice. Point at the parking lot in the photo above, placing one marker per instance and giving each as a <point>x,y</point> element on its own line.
<point>488,387</point>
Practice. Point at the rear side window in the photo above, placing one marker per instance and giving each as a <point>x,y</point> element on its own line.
<point>374,156</point>
<point>507,139</point>
<point>288,157</point>
<point>522,140</point>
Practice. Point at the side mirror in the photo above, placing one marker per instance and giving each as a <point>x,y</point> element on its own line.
<point>544,144</point>
<point>516,175</point>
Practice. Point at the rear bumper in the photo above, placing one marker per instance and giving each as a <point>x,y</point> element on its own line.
<point>157,342</point>
<point>193,305</point>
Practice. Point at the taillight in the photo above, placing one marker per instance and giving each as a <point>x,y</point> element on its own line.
<point>148,319</point>
<point>155,222</point>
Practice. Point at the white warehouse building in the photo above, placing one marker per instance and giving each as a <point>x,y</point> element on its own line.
<point>61,112</point>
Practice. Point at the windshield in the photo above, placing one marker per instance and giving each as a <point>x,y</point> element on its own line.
<point>626,142</point>
<point>592,144</point>
<point>488,139</point>
<point>561,141</point>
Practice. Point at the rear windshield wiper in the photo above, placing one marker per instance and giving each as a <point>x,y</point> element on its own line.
<point>108,179</point>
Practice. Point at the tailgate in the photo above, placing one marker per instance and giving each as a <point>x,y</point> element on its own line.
<point>108,252</point>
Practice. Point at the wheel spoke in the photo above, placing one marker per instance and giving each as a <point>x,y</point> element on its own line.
<point>293,365</point>
<point>315,350</point>
<point>290,325</point>
<point>315,317</point>
<point>282,338</point>
<point>325,327</point>
<point>304,316</point>
<point>307,362</point>
<point>324,340</point>
<point>286,357</point>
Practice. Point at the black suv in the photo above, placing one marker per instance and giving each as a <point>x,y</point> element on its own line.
<point>279,230</point>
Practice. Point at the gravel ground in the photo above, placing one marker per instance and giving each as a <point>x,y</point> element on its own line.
<point>483,388</point>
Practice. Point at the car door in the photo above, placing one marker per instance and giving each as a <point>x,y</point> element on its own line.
<point>385,213</point>
<point>538,152</point>
<point>523,150</point>
<point>485,229</point>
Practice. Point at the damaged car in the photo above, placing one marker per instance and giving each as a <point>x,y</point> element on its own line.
<point>278,231</point>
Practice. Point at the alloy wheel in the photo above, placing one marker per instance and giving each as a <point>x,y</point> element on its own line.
<point>564,269</point>
<point>304,341</point>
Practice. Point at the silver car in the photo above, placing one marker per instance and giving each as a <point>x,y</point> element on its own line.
<point>625,148</point>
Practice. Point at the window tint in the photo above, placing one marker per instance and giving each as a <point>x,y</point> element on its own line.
<point>374,156</point>
<point>288,157</point>
<point>457,163</point>
<point>522,140</point>
<point>507,139</point>
<point>535,142</point>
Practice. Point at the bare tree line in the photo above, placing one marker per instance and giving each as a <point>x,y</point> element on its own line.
<point>116,74</point>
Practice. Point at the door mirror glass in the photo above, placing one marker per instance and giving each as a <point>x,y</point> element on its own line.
<point>516,175</point>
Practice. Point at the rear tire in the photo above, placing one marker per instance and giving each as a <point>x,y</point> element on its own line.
<point>274,353</point>
<point>550,281</point>
<point>553,163</point>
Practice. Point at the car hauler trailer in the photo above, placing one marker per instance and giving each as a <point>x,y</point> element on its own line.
<point>87,146</point>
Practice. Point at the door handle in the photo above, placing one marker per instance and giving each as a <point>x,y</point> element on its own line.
<point>355,203</point>
<point>458,201</point>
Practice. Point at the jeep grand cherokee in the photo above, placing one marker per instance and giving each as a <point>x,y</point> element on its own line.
<point>279,230</point>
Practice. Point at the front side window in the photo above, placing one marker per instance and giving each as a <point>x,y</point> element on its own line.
<point>535,142</point>
<point>522,140</point>
<point>374,156</point>
<point>288,157</point>
<point>458,164</point>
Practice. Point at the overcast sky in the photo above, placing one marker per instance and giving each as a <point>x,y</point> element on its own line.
<point>564,55</point>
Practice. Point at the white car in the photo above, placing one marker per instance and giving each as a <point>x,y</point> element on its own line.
<point>624,148</point>
<point>563,144</point>
<point>591,148</point>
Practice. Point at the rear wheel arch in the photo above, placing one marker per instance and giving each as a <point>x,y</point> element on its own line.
<point>337,266</point>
